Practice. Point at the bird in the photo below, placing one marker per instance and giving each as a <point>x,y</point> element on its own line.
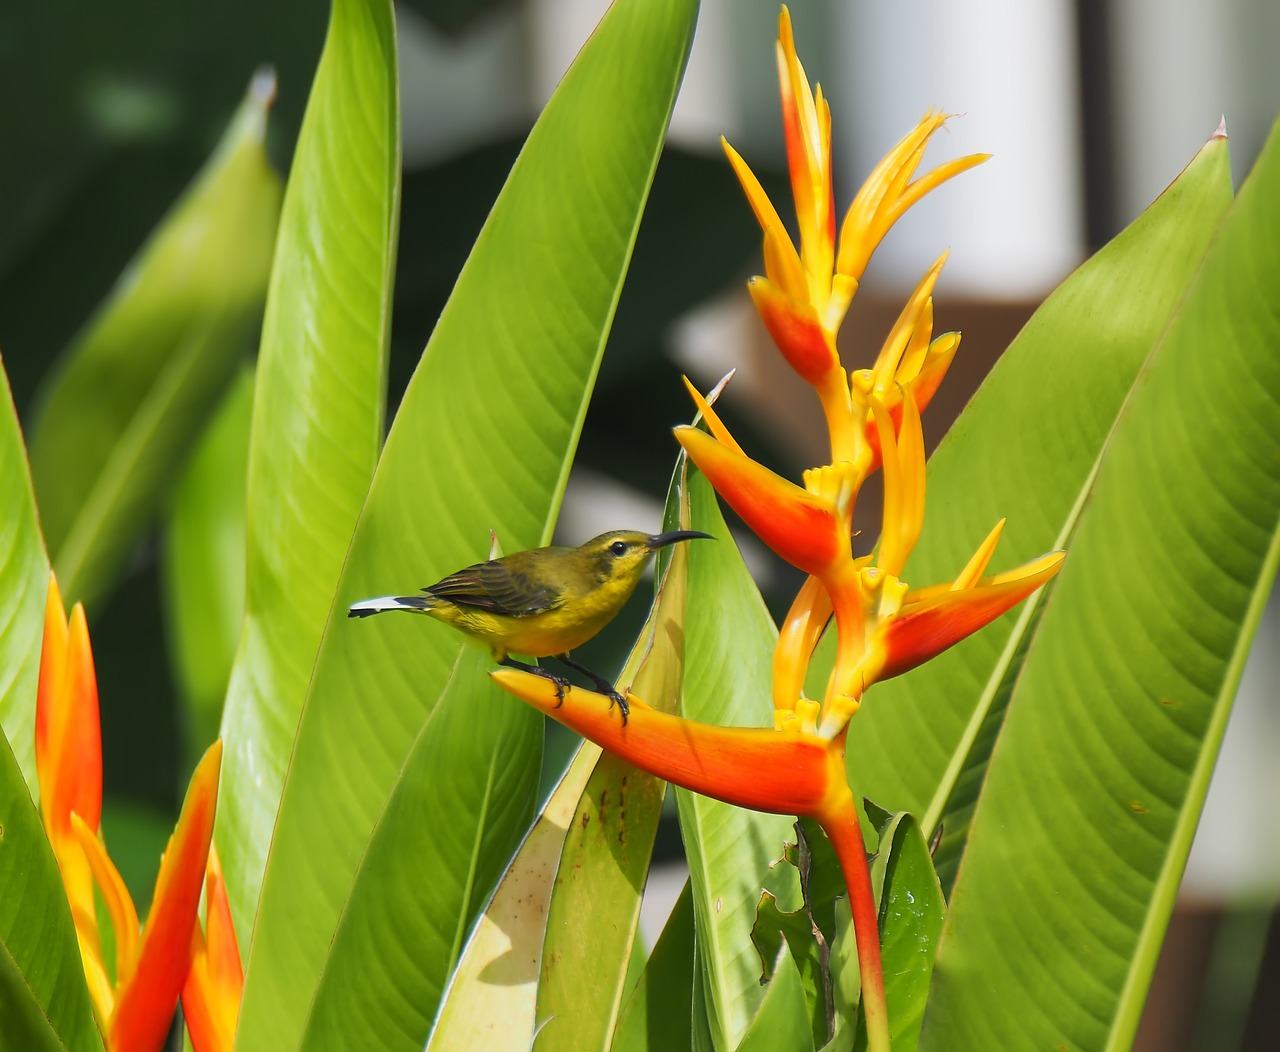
<point>542,603</point>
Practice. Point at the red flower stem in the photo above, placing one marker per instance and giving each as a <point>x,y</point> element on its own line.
<point>844,832</point>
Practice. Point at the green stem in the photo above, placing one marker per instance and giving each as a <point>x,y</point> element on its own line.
<point>844,832</point>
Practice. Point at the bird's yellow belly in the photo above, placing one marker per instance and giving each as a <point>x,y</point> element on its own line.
<point>536,635</point>
<point>542,640</point>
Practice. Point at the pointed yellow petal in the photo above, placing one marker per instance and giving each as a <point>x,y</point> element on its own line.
<point>903,485</point>
<point>712,418</point>
<point>212,992</point>
<point>766,215</point>
<point>936,362</point>
<point>68,739</point>
<point>918,346</point>
<point>936,177</point>
<point>891,556</point>
<point>783,266</point>
<point>799,122</point>
<point>977,564</point>
<point>49,690</point>
<point>799,635</point>
<point>843,288</point>
<point>911,459</point>
<point>77,881</point>
<point>892,365</point>
<point>124,918</point>
<point>856,244</point>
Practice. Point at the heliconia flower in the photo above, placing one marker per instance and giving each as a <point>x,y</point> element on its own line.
<point>808,527</point>
<point>911,363</point>
<point>151,967</point>
<point>902,627</point>
<point>883,627</point>
<point>932,619</point>
<point>212,994</point>
<point>69,762</point>
<point>135,1010</point>
<point>799,634</point>
<point>807,292</point>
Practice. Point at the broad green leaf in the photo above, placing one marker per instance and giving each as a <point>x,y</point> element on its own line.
<point>317,417</point>
<point>656,1014</point>
<point>44,1002</point>
<point>775,928</point>
<point>700,1014</point>
<point>482,441</point>
<point>442,842</point>
<point>493,991</point>
<point>729,640</point>
<point>203,564</point>
<point>24,580</point>
<point>1095,787</point>
<point>846,983</point>
<point>595,908</point>
<point>138,384</point>
<point>808,927</point>
<point>911,913</point>
<point>782,1021</point>
<point>1026,448</point>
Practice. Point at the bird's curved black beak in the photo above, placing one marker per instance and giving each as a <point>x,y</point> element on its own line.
<point>661,540</point>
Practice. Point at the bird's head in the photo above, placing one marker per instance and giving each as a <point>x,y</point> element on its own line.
<point>620,555</point>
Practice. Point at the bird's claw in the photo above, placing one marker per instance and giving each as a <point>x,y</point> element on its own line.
<point>561,685</point>
<point>614,696</point>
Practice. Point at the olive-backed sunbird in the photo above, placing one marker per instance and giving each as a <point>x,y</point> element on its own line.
<point>543,602</point>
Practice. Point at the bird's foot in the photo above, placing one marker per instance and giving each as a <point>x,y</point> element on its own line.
<point>559,682</point>
<point>561,685</point>
<point>614,696</point>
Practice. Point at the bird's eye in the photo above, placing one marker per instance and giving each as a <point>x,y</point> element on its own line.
<point>618,548</point>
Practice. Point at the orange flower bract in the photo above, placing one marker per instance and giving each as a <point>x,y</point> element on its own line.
<point>135,1009</point>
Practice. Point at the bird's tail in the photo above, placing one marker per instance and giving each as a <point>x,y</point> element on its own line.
<point>417,603</point>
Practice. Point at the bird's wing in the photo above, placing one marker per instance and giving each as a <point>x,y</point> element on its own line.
<point>494,587</point>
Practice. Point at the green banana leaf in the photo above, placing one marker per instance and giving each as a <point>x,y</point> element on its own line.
<point>441,843</point>
<point>44,1003</point>
<point>202,564</point>
<point>1025,448</point>
<point>1096,784</point>
<point>24,579</point>
<point>136,387</point>
<point>595,908</point>
<point>911,914</point>
<point>318,408</point>
<point>782,1021</point>
<point>729,637</point>
<point>493,991</point>
<point>482,441</point>
<point>655,1014</point>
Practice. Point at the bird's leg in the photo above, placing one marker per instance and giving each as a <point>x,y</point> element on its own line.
<point>562,684</point>
<point>602,685</point>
